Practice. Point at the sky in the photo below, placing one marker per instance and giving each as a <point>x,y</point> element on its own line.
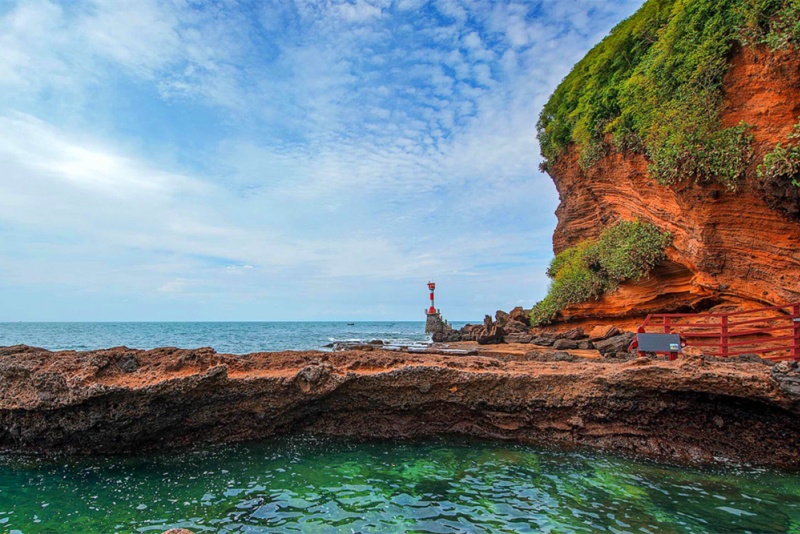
<point>279,160</point>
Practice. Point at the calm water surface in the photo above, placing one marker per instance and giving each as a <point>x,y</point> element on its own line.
<point>302,484</point>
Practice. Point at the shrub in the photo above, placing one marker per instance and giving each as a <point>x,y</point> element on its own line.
<point>783,163</point>
<point>655,84</point>
<point>779,176</point>
<point>625,251</point>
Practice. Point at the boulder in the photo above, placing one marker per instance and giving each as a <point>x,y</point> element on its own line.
<point>585,344</point>
<point>544,340</point>
<point>603,332</point>
<point>565,344</point>
<point>490,334</point>
<point>618,343</point>
<point>574,334</point>
<point>521,315</point>
<point>448,337</point>
<point>493,337</point>
<point>515,326</point>
<point>501,317</point>
<point>518,337</point>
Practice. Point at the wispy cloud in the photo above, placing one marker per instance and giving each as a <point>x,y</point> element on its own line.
<point>338,152</point>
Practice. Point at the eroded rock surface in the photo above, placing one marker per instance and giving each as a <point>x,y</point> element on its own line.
<point>695,410</point>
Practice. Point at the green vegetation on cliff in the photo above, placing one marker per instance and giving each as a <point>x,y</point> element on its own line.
<point>625,251</point>
<point>779,176</point>
<point>654,85</point>
<point>783,163</point>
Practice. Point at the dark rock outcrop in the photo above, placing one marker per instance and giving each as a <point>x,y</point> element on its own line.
<point>520,315</point>
<point>518,338</point>
<point>573,334</point>
<point>618,343</point>
<point>491,333</point>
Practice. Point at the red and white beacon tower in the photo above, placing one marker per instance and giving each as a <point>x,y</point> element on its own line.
<point>432,288</point>
<point>434,324</point>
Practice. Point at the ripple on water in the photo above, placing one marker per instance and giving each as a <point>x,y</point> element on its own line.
<point>302,484</point>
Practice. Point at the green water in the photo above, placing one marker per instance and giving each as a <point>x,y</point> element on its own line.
<point>302,484</point>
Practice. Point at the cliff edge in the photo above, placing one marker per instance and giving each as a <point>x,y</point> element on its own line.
<point>127,401</point>
<point>655,125</point>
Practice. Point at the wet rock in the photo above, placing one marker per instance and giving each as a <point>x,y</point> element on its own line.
<point>618,343</point>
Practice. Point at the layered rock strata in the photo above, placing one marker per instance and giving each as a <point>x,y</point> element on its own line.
<point>128,401</point>
<point>738,248</point>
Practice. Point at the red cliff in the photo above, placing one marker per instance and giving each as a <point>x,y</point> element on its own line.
<point>739,248</point>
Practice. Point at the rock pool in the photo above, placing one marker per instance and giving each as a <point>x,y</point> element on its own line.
<point>305,484</point>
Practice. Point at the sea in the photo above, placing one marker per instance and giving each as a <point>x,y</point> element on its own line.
<point>224,337</point>
<point>304,483</point>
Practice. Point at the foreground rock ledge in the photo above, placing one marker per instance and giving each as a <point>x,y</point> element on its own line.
<point>128,401</point>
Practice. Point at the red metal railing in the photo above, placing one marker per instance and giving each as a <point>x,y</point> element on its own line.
<point>774,330</point>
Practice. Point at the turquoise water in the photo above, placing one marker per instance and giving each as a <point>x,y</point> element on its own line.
<point>302,484</point>
<point>227,337</point>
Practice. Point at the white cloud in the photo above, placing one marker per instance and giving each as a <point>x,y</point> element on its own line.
<point>304,147</point>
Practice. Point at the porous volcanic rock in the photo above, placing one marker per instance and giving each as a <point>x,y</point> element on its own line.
<point>688,410</point>
<point>740,249</point>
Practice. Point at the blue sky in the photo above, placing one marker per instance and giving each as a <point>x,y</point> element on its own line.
<point>296,160</point>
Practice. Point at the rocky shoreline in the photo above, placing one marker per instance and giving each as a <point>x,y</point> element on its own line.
<point>514,327</point>
<point>696,410</point>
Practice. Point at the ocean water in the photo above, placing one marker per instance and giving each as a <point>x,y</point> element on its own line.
<point>304,484</point>
<point>321,485</point>
<point>224,337</point>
